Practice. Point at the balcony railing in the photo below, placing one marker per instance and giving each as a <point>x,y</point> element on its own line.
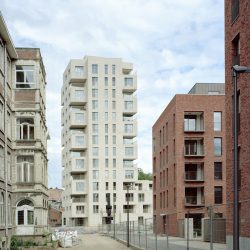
<point>194,176</point>
<point>194,201</point>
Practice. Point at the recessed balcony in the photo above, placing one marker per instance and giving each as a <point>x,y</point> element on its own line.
<point>193,122</point>
<point>130,151</point>
<point>130,83</point>
<point>194,197</point>
<point>130,106</point>
<point>78,142</point>
<point>194,147</point>
<point>194,172</point>
<point>78,119</point>
<point>78,187</point>
<point>130,129</point>
<point>78,165</point>
<point>77,96</point>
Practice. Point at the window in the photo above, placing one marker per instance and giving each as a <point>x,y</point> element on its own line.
<point>95,174</point>
<point>106,174</point>
<point>128,82</point>
<point>79,140</point>
<point>79,163</point>
<point>114,139</point>
<point>95,128</point>
<point>235,9</point>
<point>106,81</point>
<point>113,69</point>
<point>94,93</point>
<point>114,128</point>
<point>95,116</point>
<point>218,170</point>
<point>79,209</point>
<point>95,139</point>
<point>217,121</point>
<point>114,163</point>
<point>79,70</point>
<point>95,209</point>
<point>129,151</point>
<point>113,105</point>
<point>217,146</point>
<point>106,163</point>
<point>106,93</point>
<point>190,122</point>
<point>95,163</point>
<point>9,211</point>
<point>79,186</point>
<point>145,208</point>
<point>128,128</point>
<point>114,116</point>
<point>25,77</point>
<point>106,116</point>
<point>114,185</point>
<point>94,104</point>
<point>25,168</point>
<point>140,197</point>
<point>106,128</point>
<point>218,196</point>
<point>106,139</point>
<point>127,163</point>
<point>95,197</point>
<point>236,50</point>
<point>94,69</point>
<point>79,118</point>
<point>129,174</point>
<point>114,151</point>
<point>79,95</point>
<point>128,105</point>
<point>106,69</point>
<point>114,174</point>
<point>2,209</point>
<point>25,128</point>
<point>106,151</point>
<point>95,186</point>
<point>1,116</point>
<point>113,93</point>
<point>95,151</point>
<point>94,81</point>
<point>25,212</point>
<point>113,81</point>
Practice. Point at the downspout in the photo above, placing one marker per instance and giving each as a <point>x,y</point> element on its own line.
<point>5,146</point>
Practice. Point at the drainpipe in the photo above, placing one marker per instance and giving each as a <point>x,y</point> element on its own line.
<point>5,146</point>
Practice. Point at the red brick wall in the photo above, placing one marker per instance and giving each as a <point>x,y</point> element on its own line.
<point>176,108</point>
<point>239,26</point>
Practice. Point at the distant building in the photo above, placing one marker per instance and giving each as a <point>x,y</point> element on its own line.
<point>55,207</point>
<point>23,140</point>
<point>237,52</point>
<point>99,141</point>
<point>189,159</point>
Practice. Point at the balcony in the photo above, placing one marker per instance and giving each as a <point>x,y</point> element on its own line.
<point>77,96</point>
<point>78,165</point>
<point>78,142</point>
<point>130,151</point>
<point>130,106</point>
<point>193,122</point>
<point>130,129</point>
<point>130,83</point>
<point>77,72</point>
<point>194,147</point>
<point>78,119</point>
<point>127,67</point>
<point>194,197</point>
<point>194,173</point>
<point>78,187</point>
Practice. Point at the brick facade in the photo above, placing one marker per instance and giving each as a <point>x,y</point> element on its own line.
<point>237,51</point>
<point>173,180</point>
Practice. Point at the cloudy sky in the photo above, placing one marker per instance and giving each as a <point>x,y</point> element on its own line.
<point>172,44</point>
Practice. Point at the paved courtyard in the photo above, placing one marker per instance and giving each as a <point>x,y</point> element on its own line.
<point>96,242</point>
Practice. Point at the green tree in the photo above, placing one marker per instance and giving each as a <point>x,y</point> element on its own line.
<point>144,176</point>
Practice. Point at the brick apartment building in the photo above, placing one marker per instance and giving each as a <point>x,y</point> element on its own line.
<point>237,52</point>
<point>189,158</point>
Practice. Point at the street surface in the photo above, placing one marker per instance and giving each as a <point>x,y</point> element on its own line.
<point>96,242</point>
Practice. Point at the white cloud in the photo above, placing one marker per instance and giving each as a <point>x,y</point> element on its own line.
<point>173,44</point>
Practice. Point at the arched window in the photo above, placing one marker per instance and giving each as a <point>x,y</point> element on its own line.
<point>25,168</point>
<point>25,128</point>
<point>25,212</point>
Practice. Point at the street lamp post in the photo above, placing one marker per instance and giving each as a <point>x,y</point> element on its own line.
<point>128,186</point>
<point>235,71</point>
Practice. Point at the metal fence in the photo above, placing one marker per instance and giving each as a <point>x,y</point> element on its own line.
<point>146,235</point>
